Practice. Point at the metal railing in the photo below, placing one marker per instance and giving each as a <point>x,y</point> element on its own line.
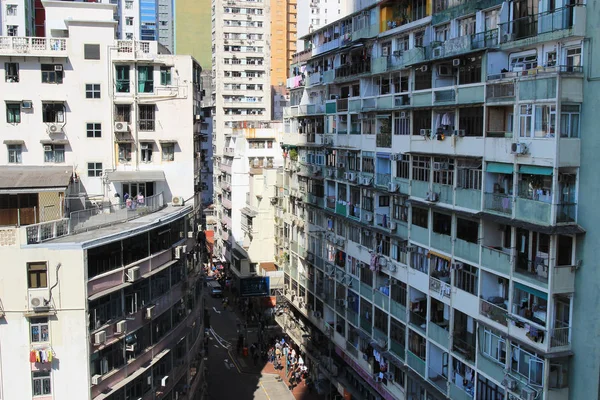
<point>493,312</point>
<point>485,39</point>
<point>384,140</point>
<point>463,347</point>
<point>500,90</point>
<point>101,216</point>
<point>439,287</point>
<point>533,25</point>
<point>536,269</point>
<point>566,212</point>
<point>41,232</point>
<point>444,95</point>
<point>438,379</point>
<point>32,45</point>
<point>560,336</point>
<point>418,320</point>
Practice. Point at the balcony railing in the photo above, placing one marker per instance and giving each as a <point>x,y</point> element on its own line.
<point>498,202</point>
<point>342,104</point>
<point>353,69</point>
<point>102,216</point>
<point>566,213</point>
<point>39,233</point>
<point>33,45</point>
<point>500,91</point>
<point>383,140</point>
<point>418,321</point>
<point>493,312</point>
<point>533,25</point>
<point>485,39</point>
<point>415,362</point>
<point>460,346</point>
<point>440,381</point>
<point>560,337</point>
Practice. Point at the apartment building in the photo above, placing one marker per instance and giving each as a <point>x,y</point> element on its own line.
<point>435,150</point>
<point>193,21</point>
<point>17,18</point>
<point>99,196</point>
<point>245,185</point>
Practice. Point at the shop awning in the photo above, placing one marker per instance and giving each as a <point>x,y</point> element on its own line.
<point>499,168</point>
<point>433,253</point>
<point>535,170</point>
<point>530,290</point>
<point>136,176</point>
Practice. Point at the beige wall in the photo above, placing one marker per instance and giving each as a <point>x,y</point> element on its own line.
<point>193,30</point>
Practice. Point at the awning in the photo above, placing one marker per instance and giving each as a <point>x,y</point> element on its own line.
<point>14,142</point>
<point>499,168</point>
<point>161,268</point>
<point>249,212</point>
<point>530,290</point>
<point>535,170</point>
<point>383,155</point>
<point>268,266</point>
<point>237,254</point>
<point>49,141</point>
<point>22,178</point>
<point>433,253</point>
<point>109,290</point>
<point>124,140</point>
<point>136,176</point>
<point>562,229</point>
<point>167,141</point>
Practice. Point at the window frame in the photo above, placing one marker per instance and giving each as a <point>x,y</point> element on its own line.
<point>54,154</point>
<point>11,72</point>
<point>44,385</point>
<point>93,91</point>
<point>94,169</point>
<point>168,155</point>
<point>570,115</point>
<point>13,113</point>
<point>93,130</point>
<point>165,76</point>
<point>124,151</point>
<point>56,110</point>
<point>15,153</point>
<point>43,330</point>
<point>147,117</point>
<point>39,272</point>
<point>50,75</point>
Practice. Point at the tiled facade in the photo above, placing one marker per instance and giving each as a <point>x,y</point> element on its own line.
<point>432,166</point>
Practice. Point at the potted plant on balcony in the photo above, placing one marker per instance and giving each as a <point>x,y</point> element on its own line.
<point>293,154</point>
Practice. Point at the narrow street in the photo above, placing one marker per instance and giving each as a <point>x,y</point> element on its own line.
<point>232,377</point>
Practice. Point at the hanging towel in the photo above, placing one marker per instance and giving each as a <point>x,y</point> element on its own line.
<point>50,356</point>
<point>32,356</point>
<point>37,356</point>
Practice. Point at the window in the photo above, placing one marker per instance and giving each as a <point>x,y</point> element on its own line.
<point>423,78</point>
<point>123,112</point>
<point>399,208</point>
<point>13,113</point>
<point>443,170</point>
<point>442,224</point>
<point>470,70</point>
<point>421,168</point>
<point>528,365</point>
<point>92,90</point>
<point>128,4</point>
<point>12,30</point>
<point>545,120</point>
<point>52,73</point>
<point>419,38</point>
<point>168,151</point>
<point>94,130</point>
<point>569,121</point>
<point>491,19</point>
<point>442,33</point>
<point>466,26</point>
<point>146,79</point>
<point>466,278</point>
<point>124,152</point>
<point>129,21</point>
<point>122,84</point>
<point>494,346</point>
<point>37,275</point>
<point>14,153</point>
<point>91,51</point>
<point>471,120</point>
<point>165,76</point>
<point>146,117</point>
<point>11,72</point>
<point>41,383</point>
<point>384,201</point>
<point>11,10</point>
<point>402,123</point>
<point>94,169</point>
<point>53,112</point>
<point>467,230</point>
<point>574,60</point>
<point>39,330</point>
<point>146,150</point>
<point>403,166</point>
<point>420,217</point>
<point>54,153</point>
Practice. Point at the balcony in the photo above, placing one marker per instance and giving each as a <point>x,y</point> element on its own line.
<point>560,336</point>
<point>416,363</point>
<point>495,312</point>
<point>384,140</point>
<point>315,79</point>
<point>342,104</point>
<point>341,208</point>
<point>466,250</point>
<point>560,23</point>
<point>418,321</point>
<point>496,259</point>
<point>498,92</point>
<point>365,325</point>
<point>441,242</point>
<point>498,203</point>
<point>438,380</point>
<point>398,311</point>
<point>468,198</point>
<point>419,234</point>
<point>353,70</point>
<point>225,168</point>
<point>444,96</point>
<point>439,334</point>
<point>398,349</point>
<point>33,46</point>
<point>533,210</point>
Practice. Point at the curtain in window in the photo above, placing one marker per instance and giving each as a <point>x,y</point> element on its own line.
<point>145,79</point>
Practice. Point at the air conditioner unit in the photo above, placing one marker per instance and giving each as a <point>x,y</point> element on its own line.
<point>440,166</point>
<point>47,147</point>
<point>382,261</point>
<point>459,132</point>
<point>100,337</point>
<point>351,176</point>
<point>133,274</point>
<point>424,68</point>
<point>403,114</point>
<point>366,181</point>
<point>96,379</point>
<point>369,217</point>
<point>528,394</point>
<point>130,347</point>
<point>393,225</point>
<point>331,173</point>
<point>437,52</point>
<point>394,157</point>
<point>392,267</point>
<point>54,128</point>
<point>425,132</point>
<point>164,381</point>
<point>36,302</point>
<point>58,68</point>
<point>518,148</point>
<point>121,127</point>
<point>432,196</point>
<point>444,70</point>
<point>341,165</point>
<point>121,326</point>
<point>26,104</point>
<point>392,187</point>
<point>509,383</point>
<point>178,201</point>
<point>397,53</point>
<point>149,312</point>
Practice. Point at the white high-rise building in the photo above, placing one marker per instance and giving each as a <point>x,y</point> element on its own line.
<point>17,18</point>
<point>98,204</point>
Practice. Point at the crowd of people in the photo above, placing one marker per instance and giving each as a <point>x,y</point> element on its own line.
<point>282,353</point>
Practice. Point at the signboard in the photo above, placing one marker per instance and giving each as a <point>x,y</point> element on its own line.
<point>256,286</point>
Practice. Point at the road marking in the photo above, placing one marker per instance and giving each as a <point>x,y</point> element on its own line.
<point>265,390</point>
<point>233,361</point>
<point>218,312</point>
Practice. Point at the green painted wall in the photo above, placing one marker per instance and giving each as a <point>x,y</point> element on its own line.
<point>193,30</point>
<point>468,7</point>
<point>585,366</point>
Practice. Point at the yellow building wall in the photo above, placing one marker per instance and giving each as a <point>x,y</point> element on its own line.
<point>283,39</point>
<point>193,30</point>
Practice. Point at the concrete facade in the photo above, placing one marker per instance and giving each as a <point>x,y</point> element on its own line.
<point>434,166</point>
